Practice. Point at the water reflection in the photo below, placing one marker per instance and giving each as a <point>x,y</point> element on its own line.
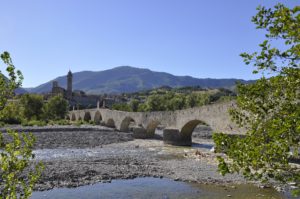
<point>156,188</point>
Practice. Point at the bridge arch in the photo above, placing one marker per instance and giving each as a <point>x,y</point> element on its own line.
<point>97,117</point>
<point>151,127</point>
<point>177,124</point>
<point>110,123</point>
<point>126,122</point>
<point>73,117</point>
<point>188,128</point>
<point>87,116</point>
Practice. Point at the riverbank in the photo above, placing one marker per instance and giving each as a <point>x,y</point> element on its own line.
<point>76,156</point>
<point>127,160</point>
<point>80,156</point>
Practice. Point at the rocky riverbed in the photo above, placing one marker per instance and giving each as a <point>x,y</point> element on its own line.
<point>80,156</point>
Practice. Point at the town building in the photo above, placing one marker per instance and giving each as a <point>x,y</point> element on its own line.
<point>79,99</point>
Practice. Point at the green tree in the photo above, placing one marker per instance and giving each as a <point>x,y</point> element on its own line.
<point>12,113</point>
<point>143,107</point>
<point>269,109</point>
<point>17,179</point>
<point>8,85</point>
<point>32,106</point>
<point>134,105</point>
<point>203,99</point>
<point>155,102</point>
<point>175,103</point>
<point>121,107</point>
<point>56,108</point>
<point>191,100</point>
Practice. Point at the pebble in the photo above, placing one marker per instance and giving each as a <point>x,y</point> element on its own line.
<point>293,187</point>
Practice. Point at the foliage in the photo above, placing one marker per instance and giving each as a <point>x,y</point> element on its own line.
<point>142,108</point>
<point>269,109</point>
<point>218,96</point>
<point>59,122</point>
<point>134,105</point>
<point>16,178</point>
<point>33,123</point>
<point>11,114</point>
<point>155,103</point>
<point>56,108</point>
<point>121,107</point>
<point>8,85</point>
<point>167,99</point>
<point>32,110</point>
<point>32,106</point>
<point>79,122</point>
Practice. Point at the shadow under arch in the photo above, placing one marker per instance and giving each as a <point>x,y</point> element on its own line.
<point>182,136</point>
<point>127,121</point>
<point>87,116</point>
<point>151,127</point>
<point>73,117</point>
<point>97,117</point>
<point>67,117</point>
<point>110,123</point>
<point>188,128</point>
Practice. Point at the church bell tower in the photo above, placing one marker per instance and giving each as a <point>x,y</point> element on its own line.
<point>69,85</point>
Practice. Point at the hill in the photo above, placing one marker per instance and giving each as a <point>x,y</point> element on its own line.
<point>125,79</point>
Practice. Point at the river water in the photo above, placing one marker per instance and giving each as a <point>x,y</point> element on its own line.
<point>157,188</point>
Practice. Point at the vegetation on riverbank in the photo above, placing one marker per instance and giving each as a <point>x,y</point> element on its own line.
<point>17,177</point>
<point>31,109</point>
<point>171,99</point>
<point>269,108</point>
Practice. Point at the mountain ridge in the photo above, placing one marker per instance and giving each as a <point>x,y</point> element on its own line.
<point>125,79</point>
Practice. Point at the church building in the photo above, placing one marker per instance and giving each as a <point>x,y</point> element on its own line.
<point>57,90</point>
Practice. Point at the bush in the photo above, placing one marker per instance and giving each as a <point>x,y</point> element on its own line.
<point>32,106</point>
<point>12,113</point>
<point>14,163</point>
<point>122,107</point>
<point>59,122</point>
<point>33,123</point>
<point>56,108</point>
<point>79,122</point>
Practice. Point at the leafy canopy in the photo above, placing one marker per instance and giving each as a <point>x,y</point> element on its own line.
<point>8,85</point>
<point>16,178</point>
<point>32,106</point>
<point>269,109</point>
<point>56,108</point>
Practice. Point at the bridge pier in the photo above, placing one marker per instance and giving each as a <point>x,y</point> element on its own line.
<point>174,137</point>
<point>140,133</point>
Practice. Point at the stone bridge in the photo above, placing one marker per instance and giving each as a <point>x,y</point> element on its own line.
<point>178,125</point>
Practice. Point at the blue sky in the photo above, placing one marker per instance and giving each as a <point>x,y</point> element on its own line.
<point>183,37</point>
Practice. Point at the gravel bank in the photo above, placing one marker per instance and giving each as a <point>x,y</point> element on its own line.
<point>52,137</point>
<point>79,156</point>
